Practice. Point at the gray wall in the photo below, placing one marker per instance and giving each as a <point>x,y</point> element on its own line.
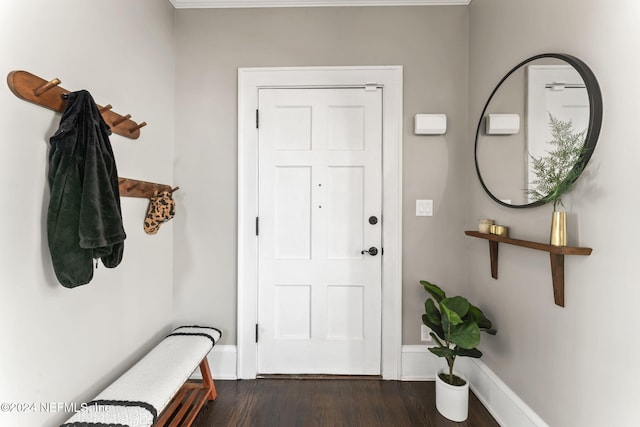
<point>431,44</point>
<point>572,365</point>
<point>58,344</point>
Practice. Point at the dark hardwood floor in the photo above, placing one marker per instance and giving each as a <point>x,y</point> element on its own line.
<point>331,402</point>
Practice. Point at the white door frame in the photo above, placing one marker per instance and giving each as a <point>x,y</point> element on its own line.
<point>249,81</point>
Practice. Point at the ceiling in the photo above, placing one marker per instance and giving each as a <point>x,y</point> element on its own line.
<point>228,4</point>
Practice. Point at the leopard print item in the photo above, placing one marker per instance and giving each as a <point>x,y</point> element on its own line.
<point>161,209</point>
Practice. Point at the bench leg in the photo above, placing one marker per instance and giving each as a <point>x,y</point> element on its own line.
<point>188,401</point>
<point>207,380</point>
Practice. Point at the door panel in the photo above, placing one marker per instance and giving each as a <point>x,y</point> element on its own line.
<point>293,315</point>
<point>293,128</point>
<point>346,127</point>
<point>292,212</point>
<point>319,307</point>
<point>345,319</point>
<point>345,228</point>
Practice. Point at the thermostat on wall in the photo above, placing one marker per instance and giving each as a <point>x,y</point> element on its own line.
<point>430,124</point>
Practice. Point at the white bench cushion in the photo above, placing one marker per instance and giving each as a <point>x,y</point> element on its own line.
<point>140,394</point>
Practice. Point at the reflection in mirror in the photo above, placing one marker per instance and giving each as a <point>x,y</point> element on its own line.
<point>537,90</point>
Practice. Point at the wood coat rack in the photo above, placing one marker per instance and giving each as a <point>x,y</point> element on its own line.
<point>49,94</point>
<point>134,188</point>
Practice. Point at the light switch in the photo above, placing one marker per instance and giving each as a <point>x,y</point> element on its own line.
<point>424,207</point>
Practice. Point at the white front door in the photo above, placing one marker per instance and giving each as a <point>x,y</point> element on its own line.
<point>319,203</point>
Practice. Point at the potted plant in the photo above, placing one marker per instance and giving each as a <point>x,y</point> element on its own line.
<point>557,172</point>
<point>456,325</point>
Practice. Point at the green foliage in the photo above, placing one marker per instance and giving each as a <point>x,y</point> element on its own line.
<point>557,172</point>
<point>456,325</point>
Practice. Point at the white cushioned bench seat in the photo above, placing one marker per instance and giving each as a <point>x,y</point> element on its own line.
<point>137,398</point>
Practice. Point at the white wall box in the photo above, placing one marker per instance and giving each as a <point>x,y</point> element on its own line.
<point>430,124</point>
<point>502,124</point>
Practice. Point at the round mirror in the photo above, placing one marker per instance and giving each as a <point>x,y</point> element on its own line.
<point>518,121</point>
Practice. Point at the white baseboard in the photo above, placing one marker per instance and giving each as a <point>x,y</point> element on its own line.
<point>222,362</point>
<point>418,364</point>
<point>499,399</point>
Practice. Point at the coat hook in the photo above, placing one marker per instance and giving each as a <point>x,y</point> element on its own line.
<point>133,186</point>
<point>45,87</point>
<point>121,119</point>
<point>138,126</point>
<point>174,189</point>
<point>106,108</point>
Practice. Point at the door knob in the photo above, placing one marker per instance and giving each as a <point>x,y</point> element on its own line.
<point>373,251</point>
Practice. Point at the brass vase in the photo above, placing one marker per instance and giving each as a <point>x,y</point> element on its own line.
<point>559,228</point>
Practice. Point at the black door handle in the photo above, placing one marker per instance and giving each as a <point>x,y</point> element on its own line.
<point>373,251</point>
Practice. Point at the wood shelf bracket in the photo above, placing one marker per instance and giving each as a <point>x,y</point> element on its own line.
<point>556,255</point>
<point>50,95</point>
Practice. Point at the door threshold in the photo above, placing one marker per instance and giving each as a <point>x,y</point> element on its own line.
<point>316,377</point>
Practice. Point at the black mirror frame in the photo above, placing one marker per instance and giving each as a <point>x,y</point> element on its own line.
<point>593,129</point>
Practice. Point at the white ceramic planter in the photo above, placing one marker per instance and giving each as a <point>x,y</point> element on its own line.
<point>452,401</point>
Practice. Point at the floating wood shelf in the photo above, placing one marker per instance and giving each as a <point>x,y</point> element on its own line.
<point>556,254</point>
<point>134,188</point>
<point>49,94</point>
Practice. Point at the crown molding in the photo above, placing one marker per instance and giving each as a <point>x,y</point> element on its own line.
<point>231,4</point>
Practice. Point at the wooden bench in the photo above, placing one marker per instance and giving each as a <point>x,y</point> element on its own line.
<point>156,391</point>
